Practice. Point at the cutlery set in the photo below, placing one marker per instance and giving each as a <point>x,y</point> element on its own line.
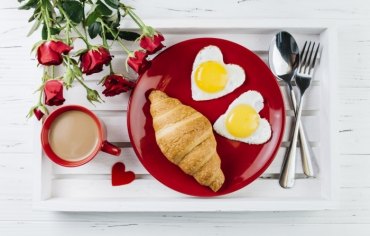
<point>287,63</point>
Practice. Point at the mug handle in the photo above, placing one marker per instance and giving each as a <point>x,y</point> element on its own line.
<point>110,148</point>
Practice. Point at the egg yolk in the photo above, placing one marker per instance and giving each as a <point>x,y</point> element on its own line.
<point>242,121</point>
<point>211,76</point>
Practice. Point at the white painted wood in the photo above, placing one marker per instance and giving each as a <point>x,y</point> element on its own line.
<point>193,228</point>
<point>352,215</point>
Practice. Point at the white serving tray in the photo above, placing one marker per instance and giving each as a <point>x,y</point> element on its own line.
<point>88,188</point>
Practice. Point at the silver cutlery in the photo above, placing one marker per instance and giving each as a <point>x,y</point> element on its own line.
<point>284,62</point>
<point>303,79</point>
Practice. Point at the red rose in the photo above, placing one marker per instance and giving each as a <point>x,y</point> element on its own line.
<point>50,52</point>
<point>38,113</point>
<point>54,93</point>
<point>116,84</point>
<point>93,60</point>
<point>152,44</point>
<point>138,61</point>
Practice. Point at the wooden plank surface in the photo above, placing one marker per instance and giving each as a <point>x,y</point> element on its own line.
<point>16,144</point>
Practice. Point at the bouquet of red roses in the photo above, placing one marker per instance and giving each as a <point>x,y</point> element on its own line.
<point>64,21</point>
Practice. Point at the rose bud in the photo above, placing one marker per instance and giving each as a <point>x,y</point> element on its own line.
<point>116,84</point>
<point>50,52</point>
<point>38,113</point>
<point>152,44</point>
<point>53,90</point>
<point>93,96</point>
<point>138,62</point>
<point>93,60</point>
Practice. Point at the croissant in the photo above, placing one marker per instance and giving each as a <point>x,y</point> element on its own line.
<point>186,138</point>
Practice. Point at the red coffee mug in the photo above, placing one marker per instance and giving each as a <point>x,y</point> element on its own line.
<point>102,145</point>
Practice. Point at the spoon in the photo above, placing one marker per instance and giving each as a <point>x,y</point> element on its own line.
<point>284,61</point>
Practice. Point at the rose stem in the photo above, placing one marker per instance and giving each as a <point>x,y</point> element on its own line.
<point>133,16</point>
<point>119,41</point>
<point>46,19</point>
<point>74,28</point>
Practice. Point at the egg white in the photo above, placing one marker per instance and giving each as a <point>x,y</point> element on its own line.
<point>236,74</point>
<point>262,133</point>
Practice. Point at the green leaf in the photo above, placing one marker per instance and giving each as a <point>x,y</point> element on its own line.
<point>112,3</point>
<point>28,5</point>
<point>125,35</point>
<point>128,35</point>
<point>68,78</point>
<point>34,27</point>
<point>44,32</point>
<point>91,18</point>
<point>54,31</point>
<point>113,20</point>
<point>31,18</point>
<point>77,71</point>
<point>36,14</point>
<point>94,29</point>
<point>103,9</point>
<point>74,10</point>
<point>74,61</point>
<point>109,36</point>
<point>49,6</point>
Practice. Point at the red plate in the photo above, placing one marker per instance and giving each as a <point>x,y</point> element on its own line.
<point>170,72</point>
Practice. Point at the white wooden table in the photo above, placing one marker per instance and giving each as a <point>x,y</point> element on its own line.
<point>17,70</point>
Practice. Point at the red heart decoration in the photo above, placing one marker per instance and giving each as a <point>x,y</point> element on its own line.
<point>120,176</point>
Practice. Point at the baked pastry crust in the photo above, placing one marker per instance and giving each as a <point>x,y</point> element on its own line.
<point>186,138</point>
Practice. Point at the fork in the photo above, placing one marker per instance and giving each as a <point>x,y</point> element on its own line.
<point>303,80</point>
